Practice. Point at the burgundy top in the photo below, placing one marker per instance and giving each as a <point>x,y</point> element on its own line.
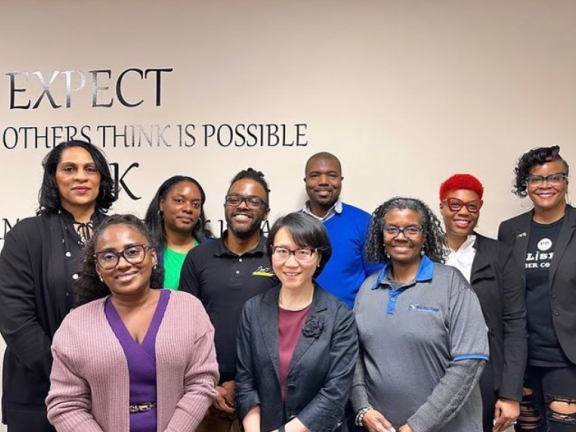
<point>290,325</point>
<point>141,360</point>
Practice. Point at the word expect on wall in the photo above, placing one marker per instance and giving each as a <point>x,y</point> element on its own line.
<point>29,90</point>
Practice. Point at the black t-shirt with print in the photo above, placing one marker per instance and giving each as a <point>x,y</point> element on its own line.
<point>543,346</point>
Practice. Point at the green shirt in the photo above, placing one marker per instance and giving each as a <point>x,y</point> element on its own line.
<point>173,261</point>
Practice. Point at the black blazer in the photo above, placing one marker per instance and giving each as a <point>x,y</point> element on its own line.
<point>516,232</point>
<point>321,371</point>
<point>496,280</point>
<point>34,282</point>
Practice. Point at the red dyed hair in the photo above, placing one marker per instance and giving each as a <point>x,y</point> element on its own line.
<point>461,181</point>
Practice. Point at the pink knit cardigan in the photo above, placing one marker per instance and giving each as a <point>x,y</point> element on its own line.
<point>89,389</point>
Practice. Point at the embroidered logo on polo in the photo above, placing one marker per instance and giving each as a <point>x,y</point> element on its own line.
<point>422,308</point>
<point>263,271</point>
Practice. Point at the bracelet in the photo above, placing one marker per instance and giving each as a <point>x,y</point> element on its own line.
<point>360,415</point>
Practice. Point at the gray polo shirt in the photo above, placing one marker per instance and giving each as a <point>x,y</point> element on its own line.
<point>423,346</point>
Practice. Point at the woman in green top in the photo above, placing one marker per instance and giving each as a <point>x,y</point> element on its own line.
<point>176,218</point>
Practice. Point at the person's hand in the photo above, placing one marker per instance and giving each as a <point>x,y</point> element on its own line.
<point>506,412</point>
<point>374,421</point>
<point>226,399</point>
<point>405,428</point>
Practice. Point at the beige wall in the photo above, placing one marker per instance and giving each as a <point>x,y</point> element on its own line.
<point>405,93</point>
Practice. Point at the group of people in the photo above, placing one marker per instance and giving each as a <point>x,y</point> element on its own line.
<point>336,321</point>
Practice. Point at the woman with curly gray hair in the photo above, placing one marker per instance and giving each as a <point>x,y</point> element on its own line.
<point>423,341</point>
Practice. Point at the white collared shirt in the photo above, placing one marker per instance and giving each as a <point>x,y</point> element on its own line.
<point>463,258</point>
<point>334,210</point>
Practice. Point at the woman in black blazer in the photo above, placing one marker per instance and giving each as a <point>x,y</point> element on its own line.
<point>489,267</point>
<point>297,344</point>
<point>544,243</point>
<point>39,263</point>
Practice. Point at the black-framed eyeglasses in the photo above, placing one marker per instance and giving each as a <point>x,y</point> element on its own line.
<point>456,204</point>
<point>411,232</point>
<point>554,179</point>
<point>252,202</point>
<point>281,253</point>
<point>109,259</point>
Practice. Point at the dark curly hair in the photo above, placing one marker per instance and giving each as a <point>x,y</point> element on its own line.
<point>306,231</point>
<point>48,196</point>
<point>89,287</point>
<point>154,219</point>
<point>257,176</point>
<point>435,245</point>
<point>537,156</point>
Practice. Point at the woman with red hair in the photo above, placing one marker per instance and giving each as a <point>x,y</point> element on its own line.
<point>489,267</point>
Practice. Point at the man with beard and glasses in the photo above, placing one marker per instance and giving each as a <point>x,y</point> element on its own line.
<point>347,227</point>
<point>224,274</point>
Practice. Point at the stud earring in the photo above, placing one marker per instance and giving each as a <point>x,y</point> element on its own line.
<point>100,277</point>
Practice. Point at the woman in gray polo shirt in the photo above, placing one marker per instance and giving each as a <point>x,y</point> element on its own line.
<point>423,341</point>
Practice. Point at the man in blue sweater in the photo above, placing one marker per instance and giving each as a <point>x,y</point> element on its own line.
<point>347,227</point>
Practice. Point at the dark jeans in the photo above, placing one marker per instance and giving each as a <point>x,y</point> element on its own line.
<point>546,386</point>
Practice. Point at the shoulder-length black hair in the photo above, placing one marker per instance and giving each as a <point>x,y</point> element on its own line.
<point>537,156</point>
<point>155,221</point>
<point>435,244</point>
<point>48,196</point>
<point>89,287</point>
<point>306,231</point>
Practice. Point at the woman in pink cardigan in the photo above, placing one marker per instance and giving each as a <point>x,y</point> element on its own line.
<point>131,358</point>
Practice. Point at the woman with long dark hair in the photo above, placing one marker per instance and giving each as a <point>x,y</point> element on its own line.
<point>544,243</point>
<point>178,223</point>
<point>39,263</point>
<point>130,356</point>
<point>423,341</point>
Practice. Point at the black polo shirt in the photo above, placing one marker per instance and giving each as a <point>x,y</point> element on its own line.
<point>223,281</point>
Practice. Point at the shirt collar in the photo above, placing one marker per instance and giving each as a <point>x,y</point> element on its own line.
<point>222,249</point>
<point>424,273</point>
<point>467,245</point>
<point>336,209</point>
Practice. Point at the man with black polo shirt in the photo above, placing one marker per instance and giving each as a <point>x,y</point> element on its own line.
<point>225,273</point>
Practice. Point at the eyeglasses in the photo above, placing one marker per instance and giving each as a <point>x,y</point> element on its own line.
<point>554,179</point>
<point>304,254</point>
<point>252,202</point>
<point>456,204</point>
<point>411,232</point>
<point>109,259</point>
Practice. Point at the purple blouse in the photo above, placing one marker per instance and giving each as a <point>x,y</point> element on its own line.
<point>141,360</point>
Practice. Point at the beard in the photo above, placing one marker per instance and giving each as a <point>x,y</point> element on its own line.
<point>244,231</point>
